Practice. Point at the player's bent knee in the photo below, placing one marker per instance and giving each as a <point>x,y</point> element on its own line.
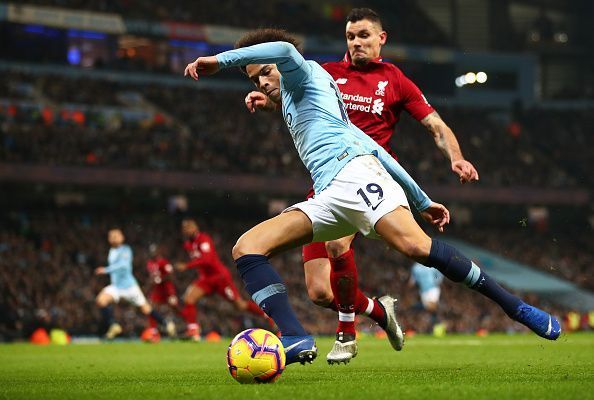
<point>320,295</point>
<point>413,250</point>
<point>243,247</point>
<point>336,248</point>
<point>102,300</point>
<point>146,308</point>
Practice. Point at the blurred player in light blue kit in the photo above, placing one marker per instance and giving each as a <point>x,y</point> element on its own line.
<point>123,286</point>
<point>428,281</point>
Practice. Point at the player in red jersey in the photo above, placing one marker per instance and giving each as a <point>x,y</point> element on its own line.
<point>162,292</point>
<point>214,277</point>
<point>375,93</point>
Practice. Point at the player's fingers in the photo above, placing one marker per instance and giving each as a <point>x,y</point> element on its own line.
<point>192,71</point>
<point>249,104</point>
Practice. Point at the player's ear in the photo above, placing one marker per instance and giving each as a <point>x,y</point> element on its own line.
<point>383,37</point>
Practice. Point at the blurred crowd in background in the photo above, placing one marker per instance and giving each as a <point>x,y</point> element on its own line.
<point>49,257</point>
<point>190,130</point>
<point>121,104</point>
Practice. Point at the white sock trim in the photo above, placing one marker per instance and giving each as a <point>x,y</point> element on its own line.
<point>369,308</point>
<point>346,317</point>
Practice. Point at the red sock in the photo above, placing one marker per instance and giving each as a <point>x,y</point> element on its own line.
<point>343,280</point>
<point>253,308</point>
<point>189,313</point>
<point>152,322</point>
<point>370,307</point>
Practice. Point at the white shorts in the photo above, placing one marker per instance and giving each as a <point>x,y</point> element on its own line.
<point>132,295</point>
<point>361,193</point>
<point>430,296</point>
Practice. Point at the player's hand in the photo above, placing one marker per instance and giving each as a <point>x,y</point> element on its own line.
<point>100,271</point>
<point>181,266</point>
<point>465,171</point>
<point>202,66</point>
<point>172,300</point>
<point>258,101</point>
<point>436,214</point>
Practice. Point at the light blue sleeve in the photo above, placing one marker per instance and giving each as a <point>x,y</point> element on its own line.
<point>123,261</point>
<point>413,191</point>
<point>288,60</point>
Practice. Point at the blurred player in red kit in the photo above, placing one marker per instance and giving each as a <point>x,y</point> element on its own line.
<point>214,278</point>
<point>374,93</point>
<point>162,290</point>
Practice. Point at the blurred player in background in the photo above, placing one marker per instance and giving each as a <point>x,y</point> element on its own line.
<point>162,289</point>
<point>123,285</point>
<point>213,277</point>
<point>374,93</point>
<point>428,281</point>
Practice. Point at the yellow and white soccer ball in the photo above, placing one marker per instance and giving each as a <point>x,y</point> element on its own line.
<point>256,356</point>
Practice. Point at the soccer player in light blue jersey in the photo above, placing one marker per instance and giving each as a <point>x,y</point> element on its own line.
<point>123,286</point>
<point>428,281</point>
<point>358,187</point>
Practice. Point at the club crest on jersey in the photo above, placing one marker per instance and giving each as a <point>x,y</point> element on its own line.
<point>341,81</point>
<point>381,88</point>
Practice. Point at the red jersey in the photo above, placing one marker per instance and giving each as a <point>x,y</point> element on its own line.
<point>203,255</point>
<point>375,95</point>
<point>159,269</point>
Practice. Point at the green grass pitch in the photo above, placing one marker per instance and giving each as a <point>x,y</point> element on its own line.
<point>453,367</point>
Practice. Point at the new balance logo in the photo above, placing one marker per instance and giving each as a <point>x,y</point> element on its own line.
<point>341,81</point>
<point>378,107</point>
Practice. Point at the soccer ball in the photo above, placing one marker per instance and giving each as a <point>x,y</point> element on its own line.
<point>256,356</point>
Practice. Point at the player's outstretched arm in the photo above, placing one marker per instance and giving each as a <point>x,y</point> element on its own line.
<point>446,141</point>
<point>286,57</point>
<point>202,66</point>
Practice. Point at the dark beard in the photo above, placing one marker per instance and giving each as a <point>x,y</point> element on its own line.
<point>360,62</point>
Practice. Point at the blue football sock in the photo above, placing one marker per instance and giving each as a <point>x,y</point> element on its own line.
<point>107,315</point>
<point>456,267</point>
<point>158,317</point>
<point>269,292</point>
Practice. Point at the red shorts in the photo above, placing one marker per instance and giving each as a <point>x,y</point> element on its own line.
<point>162,292</point>
<point>221,284</point>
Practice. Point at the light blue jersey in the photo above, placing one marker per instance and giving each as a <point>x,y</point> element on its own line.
<point>315,115</point>
<point>425,277</point>
<point>120,267</point>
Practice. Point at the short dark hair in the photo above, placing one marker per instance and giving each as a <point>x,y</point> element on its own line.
<point>358,14</point>
<point>265,35</point>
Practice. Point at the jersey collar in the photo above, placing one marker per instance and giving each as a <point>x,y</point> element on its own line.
<point>347,59</point>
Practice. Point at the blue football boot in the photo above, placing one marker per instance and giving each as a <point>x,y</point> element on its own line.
<point>300,349</point>
<point>541,322</point>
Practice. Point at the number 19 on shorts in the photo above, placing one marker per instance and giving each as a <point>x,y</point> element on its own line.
<point>376,195</point>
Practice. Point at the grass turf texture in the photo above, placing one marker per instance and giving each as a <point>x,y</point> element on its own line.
<point>453,367</point>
